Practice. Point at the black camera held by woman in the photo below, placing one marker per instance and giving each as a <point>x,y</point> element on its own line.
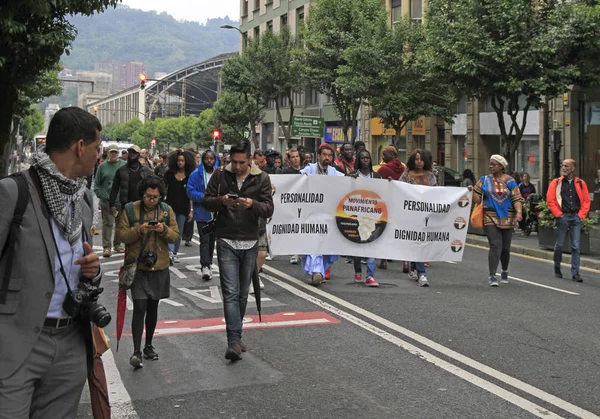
<point>82,303</point>
<point>148,258</point>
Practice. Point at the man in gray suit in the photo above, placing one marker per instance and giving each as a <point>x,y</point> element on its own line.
<point>44,352</point>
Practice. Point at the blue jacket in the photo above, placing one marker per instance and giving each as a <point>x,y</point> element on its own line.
<point>196,187</point>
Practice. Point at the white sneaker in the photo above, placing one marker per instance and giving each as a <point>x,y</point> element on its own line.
<point>423,281</point>
<point>206,273</point>
<point>413,275</point>
<point>268,257</point>
<point>294,260</point>
<point>174,258</point>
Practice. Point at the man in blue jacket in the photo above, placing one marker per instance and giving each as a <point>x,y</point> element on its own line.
<point>196,187</point>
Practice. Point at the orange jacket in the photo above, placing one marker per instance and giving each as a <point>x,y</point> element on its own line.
<point>554,199</point>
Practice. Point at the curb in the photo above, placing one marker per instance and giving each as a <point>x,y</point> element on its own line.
<point>536,252</point>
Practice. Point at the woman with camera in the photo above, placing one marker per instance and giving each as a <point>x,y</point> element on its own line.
<point>147,227</point>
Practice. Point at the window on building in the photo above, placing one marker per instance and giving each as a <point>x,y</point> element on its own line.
<point>256,5</point>
<point>256,32</point>
<point>311,97</point>
<point>396,11</point>
<point>244,40</point>
<point>270,26</point>
<point>416,10</point>
<point>284,20</point>
<point>300,15</point>
<point>245,8</point>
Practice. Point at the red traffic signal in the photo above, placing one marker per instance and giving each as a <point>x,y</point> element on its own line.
<point>143,78</point>
<point>216,134</point>
<point>154,141</point>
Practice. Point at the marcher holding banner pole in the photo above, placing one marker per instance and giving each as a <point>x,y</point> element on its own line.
<point>502,209</point>
<point>318,266</point>
<point>419,172</point>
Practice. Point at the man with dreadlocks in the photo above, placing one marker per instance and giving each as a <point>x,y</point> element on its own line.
<point>44,345</point>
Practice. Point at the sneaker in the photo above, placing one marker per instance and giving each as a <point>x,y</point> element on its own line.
<point>188,243</point>
<point>557,272</point>
<point>171,259</point>
<point>426,264</point>
<point>493,281</point>
<point>413,275</point>
<point>316,279</point>
<point>175,260</point>
<point>423,281</point>
<point>349,260</point>
<point>370,282</point>
<point>504,277</point>
<point>136,360</point>
<point>150,353</point>
<point>294,260</point>
<point>269,257</point>
<point>234,352</point>
<point>357,277</point>
<point>577,278</point>
<point>206,273</point>
<point>328,274</point>
<point>107,253</point>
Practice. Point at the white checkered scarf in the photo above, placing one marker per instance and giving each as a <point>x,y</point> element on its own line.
<point>58,191</point>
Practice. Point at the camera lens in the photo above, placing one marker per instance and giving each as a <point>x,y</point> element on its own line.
<point>98,315</point>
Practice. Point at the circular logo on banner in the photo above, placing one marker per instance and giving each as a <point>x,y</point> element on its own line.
<point>361,216</point>
<point>456,246</point>
<point>463,201</point>
<point>460,223</point>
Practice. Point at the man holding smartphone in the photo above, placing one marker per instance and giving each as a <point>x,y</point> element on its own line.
<point>241,194</point>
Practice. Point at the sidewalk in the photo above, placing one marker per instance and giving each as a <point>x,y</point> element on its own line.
<point>528,245</point>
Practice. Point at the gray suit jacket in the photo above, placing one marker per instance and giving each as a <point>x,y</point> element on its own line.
<point>32,280</point>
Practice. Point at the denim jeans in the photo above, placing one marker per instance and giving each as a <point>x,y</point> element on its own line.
<point>419,267</point>
<point>572,224</point>
<point>370,266</point>
<point>174,247</point>
<point>207,245</point>
<point>235,270</point>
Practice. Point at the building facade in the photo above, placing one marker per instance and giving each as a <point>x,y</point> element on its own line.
<point>124,74</point>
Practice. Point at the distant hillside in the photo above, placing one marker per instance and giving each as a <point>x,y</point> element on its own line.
<point>158,40</point>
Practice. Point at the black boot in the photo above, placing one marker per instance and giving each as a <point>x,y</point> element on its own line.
<point>557,272</point>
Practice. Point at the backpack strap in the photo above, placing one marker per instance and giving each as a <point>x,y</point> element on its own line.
<point>130,213</point>
<point>164,207</point>
<point>15,226</point>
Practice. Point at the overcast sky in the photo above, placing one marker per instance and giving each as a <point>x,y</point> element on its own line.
<point>195,10</point>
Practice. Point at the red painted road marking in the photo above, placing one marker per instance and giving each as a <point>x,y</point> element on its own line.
<point>217,324</point>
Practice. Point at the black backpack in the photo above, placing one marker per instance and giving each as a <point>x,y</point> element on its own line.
<point>15,226</point>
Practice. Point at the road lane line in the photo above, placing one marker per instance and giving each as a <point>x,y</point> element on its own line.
<point>496,390</point>
<point>177,272</point>
<point>171,302</point>
<point>120,401</point>
<point>500,376</point>
<point>547,261</point>
<point>541,285</point>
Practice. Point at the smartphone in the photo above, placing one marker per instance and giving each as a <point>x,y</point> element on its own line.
<point>233,196</point>
<point>153,222</point>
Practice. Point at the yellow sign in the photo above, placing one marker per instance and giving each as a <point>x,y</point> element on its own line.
<point>378,129</point>
<point>418,126</point>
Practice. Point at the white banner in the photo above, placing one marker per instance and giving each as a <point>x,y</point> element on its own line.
<point>367,217</point>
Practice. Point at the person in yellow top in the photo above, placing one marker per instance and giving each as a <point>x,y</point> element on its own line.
<point>147,227</point>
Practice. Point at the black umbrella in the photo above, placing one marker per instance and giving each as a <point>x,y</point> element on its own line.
<point>256,285</point>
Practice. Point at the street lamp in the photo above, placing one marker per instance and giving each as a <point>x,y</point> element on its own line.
<point>232,27</point>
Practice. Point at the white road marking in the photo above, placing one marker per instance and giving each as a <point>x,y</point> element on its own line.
<point>221,327</point>
<point>120,400</point>
<point>129,303</point>
<point>451,262</point>
<point>196,242</point>
<point>500,376</point>
<point>171,302</point>
<point>177,272</point>
<point>541,285</point>
<point>210,294</point>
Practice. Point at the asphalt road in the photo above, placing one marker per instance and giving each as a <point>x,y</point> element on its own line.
<point>458,349</point>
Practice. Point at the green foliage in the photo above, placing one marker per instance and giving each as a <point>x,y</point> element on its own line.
<point>235,113</point>
<point>336,28</point>
<point>34,35</point>
<point>158,40</point>
<point>547,220</point>
<point>388,68</point>
<point>508,49</point>
<point>31,124</point>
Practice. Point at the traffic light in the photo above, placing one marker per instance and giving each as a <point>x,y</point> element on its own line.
<point>143,78</point>
<point>96,110</point>
<point>153,142</point>
<point>216,134</point>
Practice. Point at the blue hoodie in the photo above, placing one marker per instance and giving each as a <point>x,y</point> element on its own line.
<point>196,187</point>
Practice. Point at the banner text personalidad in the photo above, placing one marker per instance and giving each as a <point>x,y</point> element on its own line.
<point>367,217</point>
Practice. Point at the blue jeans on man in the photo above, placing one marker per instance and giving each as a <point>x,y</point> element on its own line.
<point>235,270</point>
<point>181,219</point>
<point>572,224</point>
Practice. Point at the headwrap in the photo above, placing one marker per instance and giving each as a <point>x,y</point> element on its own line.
<point>500,159</point>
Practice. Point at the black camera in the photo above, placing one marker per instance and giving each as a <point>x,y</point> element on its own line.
<point>148,258</point>
<point>82,303</point>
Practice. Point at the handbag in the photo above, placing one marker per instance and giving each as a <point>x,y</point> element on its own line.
<point>129,268</point>
<point>477,215</point>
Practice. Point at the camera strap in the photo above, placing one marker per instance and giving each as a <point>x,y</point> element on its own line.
<point>62,268</point>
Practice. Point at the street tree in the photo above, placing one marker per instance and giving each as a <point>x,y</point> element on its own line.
<point>236,112</point>
<point>388,69</point>
<point>517,54</point>
<point>34,35</point>
<point>333,27</point>
<point>31,124</point>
